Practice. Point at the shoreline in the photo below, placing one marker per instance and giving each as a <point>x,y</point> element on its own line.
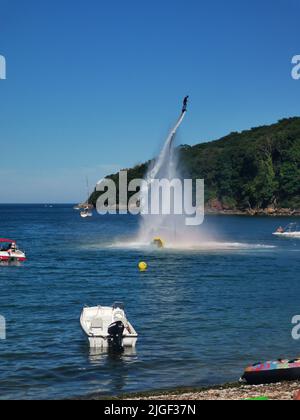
<point>254,213</point>
<point>211,211</point>
<point>283,391</point>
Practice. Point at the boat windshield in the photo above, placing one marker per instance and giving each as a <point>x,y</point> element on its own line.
<point>119,305</point>
<point>292,227</point>
<point>5,246</point>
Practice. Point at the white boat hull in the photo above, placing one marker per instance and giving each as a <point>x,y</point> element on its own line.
<point>85,215</point>
<point>102,342</point>
<point>287,234</point>
<point>95,322</point>
<point>18,256</point>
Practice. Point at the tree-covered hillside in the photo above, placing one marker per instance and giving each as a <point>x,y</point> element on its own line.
<point>251,170</point>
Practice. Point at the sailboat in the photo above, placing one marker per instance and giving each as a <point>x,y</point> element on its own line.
<point>87,212</point>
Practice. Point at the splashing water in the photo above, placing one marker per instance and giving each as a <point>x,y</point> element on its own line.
<point>164,165</point>
<point>172,229</point>
<point>167,227</point>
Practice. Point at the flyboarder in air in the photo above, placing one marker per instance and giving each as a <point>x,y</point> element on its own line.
<point>185,103</point>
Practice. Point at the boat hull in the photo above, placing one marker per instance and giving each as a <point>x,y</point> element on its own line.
<point>6,257</point>
<point>85,215</point>
<point>102,342</point>
<point>287,235</point>
<point>272,377</point>
<point>272,372</point>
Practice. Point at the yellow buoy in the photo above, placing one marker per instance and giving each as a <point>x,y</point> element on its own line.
<point>143,266</point>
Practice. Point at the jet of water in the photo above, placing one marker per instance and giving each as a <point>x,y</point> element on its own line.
<point>164,167</point>
<point>164,161</point>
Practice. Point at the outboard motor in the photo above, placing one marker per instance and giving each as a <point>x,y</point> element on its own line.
<point>115,339</point>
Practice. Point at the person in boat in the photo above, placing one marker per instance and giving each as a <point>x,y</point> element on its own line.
<point>12,247</point>
<point>185,103</point>
<point>280,230</point>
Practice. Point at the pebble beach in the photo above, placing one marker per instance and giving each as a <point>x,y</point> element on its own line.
<point>281,392</point>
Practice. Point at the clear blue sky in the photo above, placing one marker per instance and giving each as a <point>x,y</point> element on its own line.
<point>93,86</point>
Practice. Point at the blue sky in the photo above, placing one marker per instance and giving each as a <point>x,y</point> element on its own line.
<point>93,86</point>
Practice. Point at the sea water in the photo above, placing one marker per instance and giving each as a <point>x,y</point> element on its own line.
<point>202,313</point>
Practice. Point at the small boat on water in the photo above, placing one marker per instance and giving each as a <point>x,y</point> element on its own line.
<point>108,327</point>
<point>272,372</point>
<point>86,213</point>
<point>87,209</point>
<point>9,252</point>
<point>291,231</point>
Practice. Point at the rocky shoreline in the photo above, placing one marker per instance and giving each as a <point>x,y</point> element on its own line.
<point>216,208</point>
<point>286,391</point>
<point>253,213</point>
<point>219,210</point>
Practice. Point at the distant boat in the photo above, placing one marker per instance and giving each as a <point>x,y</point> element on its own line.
<point>87,212</point>
<point>291,231</point>
<point>10,253</point>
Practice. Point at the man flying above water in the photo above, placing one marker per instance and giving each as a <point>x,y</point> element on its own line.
<point>185,104</point>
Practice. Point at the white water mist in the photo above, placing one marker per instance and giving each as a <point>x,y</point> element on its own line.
<point>170,228</point>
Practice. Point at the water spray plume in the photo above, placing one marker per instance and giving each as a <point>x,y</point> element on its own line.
<point>170,231</point>
<point>169,228</point>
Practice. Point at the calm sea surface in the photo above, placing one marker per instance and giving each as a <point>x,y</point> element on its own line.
<point>202,315</point>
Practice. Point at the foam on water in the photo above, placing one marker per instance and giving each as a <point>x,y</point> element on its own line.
<point>182,246</point>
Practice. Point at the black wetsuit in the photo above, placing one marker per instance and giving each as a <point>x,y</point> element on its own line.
<point>185,103</point>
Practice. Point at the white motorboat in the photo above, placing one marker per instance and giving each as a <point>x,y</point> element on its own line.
<point>108,327</point>
<point>291,231</point>
<point>86,213</point>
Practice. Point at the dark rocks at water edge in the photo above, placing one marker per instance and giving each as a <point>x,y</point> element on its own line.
<point>216,207</point>
<point>285,391</point>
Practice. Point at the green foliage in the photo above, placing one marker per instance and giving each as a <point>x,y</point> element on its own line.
<point>252,169</point>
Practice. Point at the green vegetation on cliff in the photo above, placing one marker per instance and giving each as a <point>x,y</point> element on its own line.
<point>254,169</point>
